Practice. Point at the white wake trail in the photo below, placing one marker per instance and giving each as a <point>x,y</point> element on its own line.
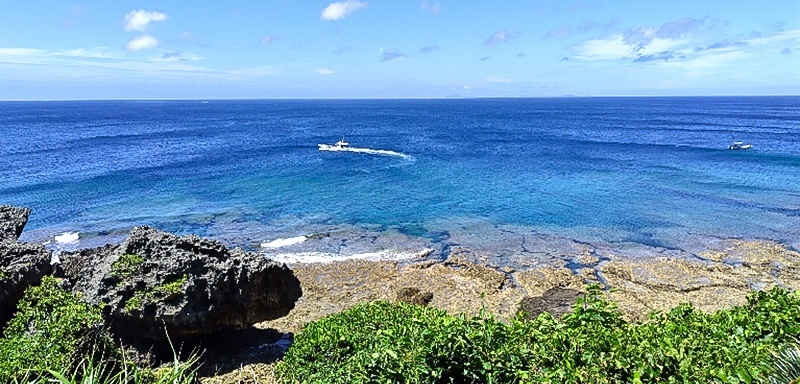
<point>368,151</point>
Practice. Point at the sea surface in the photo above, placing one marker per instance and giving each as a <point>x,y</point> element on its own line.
<point>511,177</point>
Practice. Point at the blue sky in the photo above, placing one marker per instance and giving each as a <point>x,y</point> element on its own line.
<point>100,49</point>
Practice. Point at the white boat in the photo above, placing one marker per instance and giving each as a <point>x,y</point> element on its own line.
<point>340,145</point>
<point>740,145</point>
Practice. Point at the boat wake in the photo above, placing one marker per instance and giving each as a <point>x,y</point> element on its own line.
<point>369,151</point>
<point>343,146</point>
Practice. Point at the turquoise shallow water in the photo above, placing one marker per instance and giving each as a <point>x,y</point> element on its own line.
<point>644,171</point>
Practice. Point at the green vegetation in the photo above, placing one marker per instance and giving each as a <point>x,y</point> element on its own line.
<point>136,301</point>
<point>162,292</point>
<point>383,342</point>
<point>111,372</point>
<point>56,337</point>
<point>785,365</point>
<point>126,266</point>
<point>51,327</point>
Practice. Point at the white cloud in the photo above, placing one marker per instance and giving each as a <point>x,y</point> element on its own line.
<point>780,37</point>
<point>708,61</point>
<point>500,37</point>
<point>325,71</point>
<point>690,51</point>
<point>142,42</point>
<point>612,47</point>
<point>268,39</point>
<point>80,62</point>
<point>139,20</point>
<point>338,11</point>
<point>434,8</point>
<point>21,52</point>
<point>41,56</point>
<point>617,47</point>
<point>176,56</point>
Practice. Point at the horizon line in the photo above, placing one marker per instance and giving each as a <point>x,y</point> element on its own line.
<point>567,96</point>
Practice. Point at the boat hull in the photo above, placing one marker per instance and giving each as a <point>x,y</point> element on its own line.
<point>328,147</point>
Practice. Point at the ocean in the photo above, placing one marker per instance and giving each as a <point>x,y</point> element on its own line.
<point>517,179</point>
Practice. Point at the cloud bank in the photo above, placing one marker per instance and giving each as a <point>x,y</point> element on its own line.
<point>686,40</point>
<point>338,11</point>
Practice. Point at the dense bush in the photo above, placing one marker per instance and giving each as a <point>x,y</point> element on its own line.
<point>383,342</point>
<point>54,329</point>
<point>56,337</point>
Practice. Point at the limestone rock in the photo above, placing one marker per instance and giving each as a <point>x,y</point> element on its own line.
<point>557,301</point>
<point>413,295</point>
<point>189,286</point>
<point>21,264</point>
<point>12,220</point>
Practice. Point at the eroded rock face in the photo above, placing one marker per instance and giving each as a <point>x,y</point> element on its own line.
<point>21,264</point>
<point>187,285</point>
<point>12,221</point>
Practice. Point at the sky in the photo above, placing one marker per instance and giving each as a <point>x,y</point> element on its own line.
<point>168,49</point>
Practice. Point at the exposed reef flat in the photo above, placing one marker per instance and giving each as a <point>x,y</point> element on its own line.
<point>717,278</point>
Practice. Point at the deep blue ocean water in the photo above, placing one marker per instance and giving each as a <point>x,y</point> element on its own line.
<point>651,171</point>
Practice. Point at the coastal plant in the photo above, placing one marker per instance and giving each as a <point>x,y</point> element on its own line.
<point>126,266</point>
<point>57,337</point>
<point>114,372</point>
<point>398,342</point>
<point>162,292</point>
<point>784,367</point>
<point>52,329</point>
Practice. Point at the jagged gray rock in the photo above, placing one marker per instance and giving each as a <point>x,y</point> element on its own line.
<point>187,285</point>
<point>21,264</point>
<point>12,221</point>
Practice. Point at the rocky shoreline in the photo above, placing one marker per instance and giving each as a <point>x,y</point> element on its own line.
<point>155,287</point>
<point>278,300</point>
<point>717,279</point>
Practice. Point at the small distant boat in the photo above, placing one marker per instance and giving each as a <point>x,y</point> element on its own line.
<point>340,145</point>
<point>740,145</point>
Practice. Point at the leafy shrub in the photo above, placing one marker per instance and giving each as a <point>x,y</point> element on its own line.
<point>383,342</point>
<point>52,330</point>
<point>161,293</point>
<point>56,337</point>
<point>127,265</point>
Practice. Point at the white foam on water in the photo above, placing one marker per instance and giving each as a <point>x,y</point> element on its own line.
<point>322,257</point>
<point>67,238</point>
<point>277,243</point>
<point>367,150</point>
